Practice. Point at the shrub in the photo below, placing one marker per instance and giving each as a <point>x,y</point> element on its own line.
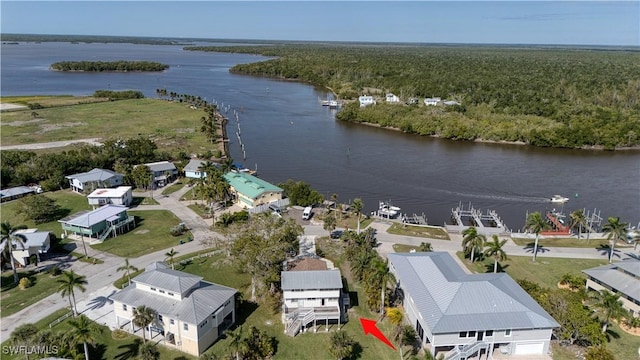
<point>119,334</point>
<point>574,282</point>
<point>632,321</point>
<point>24,283</point>
<point>178,230</point>
<point>55,271</point>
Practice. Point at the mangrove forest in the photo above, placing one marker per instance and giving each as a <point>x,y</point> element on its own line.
<point>116,66</point>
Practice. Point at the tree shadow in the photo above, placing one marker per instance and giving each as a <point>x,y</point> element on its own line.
<point>612,334</point>
<point>100,301</point>
<point>357,351</point>
<point>245,309</point>
<point>130,351</point>
<point>353,298</point>
<point>95,352</point>
<point>530,246</point>
<point>501,268</point>
<point>605,249</point>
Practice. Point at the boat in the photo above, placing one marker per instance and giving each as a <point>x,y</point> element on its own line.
<point>559,199</point>
<point>388,211</point>
<point>333,104</point>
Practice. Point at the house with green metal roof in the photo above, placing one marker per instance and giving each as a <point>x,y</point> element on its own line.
<point>250,191</point>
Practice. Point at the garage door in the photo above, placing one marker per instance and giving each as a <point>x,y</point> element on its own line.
<point>526,349</point>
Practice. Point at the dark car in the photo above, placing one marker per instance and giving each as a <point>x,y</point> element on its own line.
<point>336,234</point>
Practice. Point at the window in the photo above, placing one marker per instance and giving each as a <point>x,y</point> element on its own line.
<point>159,317</point>
<point>153,289</point>
<point>204,323</point>
<point>170,294</point>
<point>488,333</point>
<point>124,307</point>
<point>420,330</point>
<point>185,326</point>
<point>171,321</point>
<point>472,333</point>
<point>161,291</point>
<point>463,334</point>
<point>507,333</point>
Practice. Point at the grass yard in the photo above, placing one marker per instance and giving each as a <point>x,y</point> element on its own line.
<point>170,123</point>
<point>564,242</point>
<point>50,101</point>
<point>402,248</point>
<point>177,186</point>
<point>419,231</point>
<point>106,348</point>
<point>201,210</point>
<point>151,234</point>
<point>545,271</point>
<point>14,299</point>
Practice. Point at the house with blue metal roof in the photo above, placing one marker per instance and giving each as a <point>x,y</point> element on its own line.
<point>468,314</point>
<point>250,191</point>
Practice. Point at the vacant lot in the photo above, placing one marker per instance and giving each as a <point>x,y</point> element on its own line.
<point>169,123</point>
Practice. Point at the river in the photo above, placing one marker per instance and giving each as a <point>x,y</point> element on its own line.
<point>288,135</point>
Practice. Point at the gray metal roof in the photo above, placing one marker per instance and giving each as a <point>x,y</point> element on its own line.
<point>36,239</point>
<point>15,191</point>
<point>161,166</point>
<point>193,165</point>
<point>160,276</point>
<point>86,219</point>
<point>203,301</point>
<point>94,175</point>
<point>311,280</point>
<point>623,276</point>
<point>449,300</point>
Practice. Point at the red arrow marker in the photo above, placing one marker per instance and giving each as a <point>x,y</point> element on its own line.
<point>369,327</point>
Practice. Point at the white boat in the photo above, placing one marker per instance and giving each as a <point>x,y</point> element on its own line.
<point>559,199</point>
<point>386,210</point>
<point>333,104</point>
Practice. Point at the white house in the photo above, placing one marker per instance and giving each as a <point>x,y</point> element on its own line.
<point>311,296</point>
<point>622,278</point>
<point>35,243</point>
<point>432,101</point>
<point>192,169</point>
<point>468,314</point>
<point>163,172</point>
<point>391,98</point>
<point>94,179</point>
<point>366,101</point>
<point>191,313</point>
<point>121,195</point>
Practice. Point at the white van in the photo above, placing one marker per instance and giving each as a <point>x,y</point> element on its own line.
<point>306,214</point>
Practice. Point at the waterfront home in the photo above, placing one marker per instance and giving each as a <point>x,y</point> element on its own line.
<point>191,314</point>
<point>622,278</point>
<point>121,195</point>
<point>468,314</point>
<point>250,191</point>
<point>310,297</point>
<point>391,98</point>
<point>432,101</point>
<point>15,193</point>
<point>35,243</point>
<point>192,169</point>
<point>94,179</point>
<point>163,173</point>
<point>99,224</point>
<point>366,101</point>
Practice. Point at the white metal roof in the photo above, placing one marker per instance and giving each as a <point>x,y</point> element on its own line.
<point>110,192</point>
<point>311,280</point>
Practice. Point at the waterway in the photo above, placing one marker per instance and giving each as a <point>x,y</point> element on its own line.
<point>288,135</point>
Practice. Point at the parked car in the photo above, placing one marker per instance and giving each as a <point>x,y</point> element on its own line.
<point>336,234</point>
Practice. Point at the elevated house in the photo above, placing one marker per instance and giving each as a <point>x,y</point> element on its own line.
<point>622,278</point>
<point>250,191</point>
<point>191,313</point>
<point>99,224</point>
<point>35,243</point>
<point>192,169</point>
<point>432,101</point>
<point>94,179</point>
<point>163,173</point>
<point>16,193</point>
<point>366,100</point>
<point>391,98</point>
<point>310,297</point>
<point>121,195</point>
<point>468,315</point>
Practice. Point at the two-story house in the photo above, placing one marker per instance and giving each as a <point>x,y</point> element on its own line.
<point>34,242</point>
<point>191,313</point>
<point>122,195</point>
<point>366,100</point>
<point>250,191</point>
<point>622,278</point>
<point>163,173</point>
<point>97,178</point>
<point>99,224</point>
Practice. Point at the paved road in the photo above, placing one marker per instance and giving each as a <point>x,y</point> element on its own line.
<point>55,144</point>
<point>101,276</point>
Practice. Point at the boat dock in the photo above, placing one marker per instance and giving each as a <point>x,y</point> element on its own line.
<point>556,219</point>
<point>488,223</point>
<point>415,219</point>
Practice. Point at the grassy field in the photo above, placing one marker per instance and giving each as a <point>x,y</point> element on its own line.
<point>106,348</point>
<point>564,242</point>
<point>51,101</point>
<point>14,299</point>
<point>151,234</point>
<point>170,123</point>
<point>174,187</point>
<point>419,231</point>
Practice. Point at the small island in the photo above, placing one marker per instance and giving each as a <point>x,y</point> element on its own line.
<point>113,66</point>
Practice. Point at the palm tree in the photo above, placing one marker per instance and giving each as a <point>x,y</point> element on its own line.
<point>9,237</point>
<point>169,255</point>
<point>83,331</point>
<point>148,351</point>
<point>472,241</point>
<point>535,223</point>
<point>128,269</point>
<point>341,345</point>
<point>608,306</point>
<point>23,335</point>
<point>329,223</point>
<point>379,274</point>
<point>143,316</point>
<point>235,342</point>
<point>69,281</point>
<point>615,231</point>
<point>425,247</point>
<point>494,248</point>
<point>578,219</point>
<point>360,263</point>
<point>357,206</point>
<point>396,317</point>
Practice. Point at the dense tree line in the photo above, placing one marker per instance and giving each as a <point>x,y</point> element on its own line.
<point>543,97</point>
<point>99,66</point>
<point>118,95</point>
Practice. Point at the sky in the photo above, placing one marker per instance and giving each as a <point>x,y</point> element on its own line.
<point>469,22</point>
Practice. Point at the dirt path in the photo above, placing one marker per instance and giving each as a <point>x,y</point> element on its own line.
<point>55,144</point>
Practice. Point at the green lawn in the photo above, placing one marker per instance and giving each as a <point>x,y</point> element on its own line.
<point>545,271</point>
<point>199,209</point>
<point>564,242</point>
<point>171,123</point>
<point>189,195</point>
<point>14,299</point>
<point>402,248</point>
<point>106,347</point>
<point>151,234</point>
<point>419,231</point>
<point>174,187</point>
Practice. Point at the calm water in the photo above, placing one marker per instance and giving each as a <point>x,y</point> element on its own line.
<point>287,134</point>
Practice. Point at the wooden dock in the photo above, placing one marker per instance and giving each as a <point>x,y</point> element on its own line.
<point>488,223</point>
